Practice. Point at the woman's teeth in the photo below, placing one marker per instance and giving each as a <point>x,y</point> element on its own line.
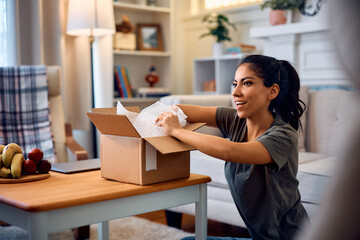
<point>240,103</point>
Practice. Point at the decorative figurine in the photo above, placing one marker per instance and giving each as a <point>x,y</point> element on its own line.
<point>152,77</point>
<point>124,39</point>
<point>125,26</point>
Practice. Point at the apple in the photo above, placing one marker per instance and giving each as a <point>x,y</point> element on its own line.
<point>44,166</point>
<point>36,155</point>
<point>29,166</point>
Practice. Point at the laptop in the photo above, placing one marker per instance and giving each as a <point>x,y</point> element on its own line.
<point>77,166</point>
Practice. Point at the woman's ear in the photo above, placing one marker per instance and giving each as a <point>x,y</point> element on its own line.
<point>274,91</point>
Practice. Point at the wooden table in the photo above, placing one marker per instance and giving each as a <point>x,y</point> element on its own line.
<point>65,201</point>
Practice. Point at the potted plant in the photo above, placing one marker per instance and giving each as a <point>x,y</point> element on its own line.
<point>218,28</point>
<point>279,9</point>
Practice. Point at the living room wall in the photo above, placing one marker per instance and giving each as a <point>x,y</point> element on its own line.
<point>189,27</point>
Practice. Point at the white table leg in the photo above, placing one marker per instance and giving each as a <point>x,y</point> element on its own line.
<point>103,230</point>
<point>201,214</point>
<point>37,226</point>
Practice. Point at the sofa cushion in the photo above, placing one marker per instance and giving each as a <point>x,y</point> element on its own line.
<point>324,166</point>
<point>202,100</point>
<point>305,157</point>
<point>332,116</point>
<point>204,164</point>
<point>314,179</point>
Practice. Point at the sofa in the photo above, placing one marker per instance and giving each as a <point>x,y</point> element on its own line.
<point>328,124</point>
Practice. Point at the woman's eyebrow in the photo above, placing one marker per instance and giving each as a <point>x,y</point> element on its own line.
<point>243,79</point>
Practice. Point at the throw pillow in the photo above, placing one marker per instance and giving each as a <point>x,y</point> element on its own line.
<point>24,109</point>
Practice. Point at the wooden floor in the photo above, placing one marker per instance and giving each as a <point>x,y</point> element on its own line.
<point>188,224</point>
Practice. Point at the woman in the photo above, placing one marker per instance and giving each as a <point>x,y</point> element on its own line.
<point>262,154</point>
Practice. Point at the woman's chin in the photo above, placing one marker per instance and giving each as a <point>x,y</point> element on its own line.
<point>241,114</point>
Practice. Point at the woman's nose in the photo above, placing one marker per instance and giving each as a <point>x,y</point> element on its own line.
<point>236,91</point>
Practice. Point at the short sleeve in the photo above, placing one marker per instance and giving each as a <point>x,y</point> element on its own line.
<point>279,141</point>
<point>224,117</point>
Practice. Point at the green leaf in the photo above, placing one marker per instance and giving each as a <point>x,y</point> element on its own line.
<point>220,31</point>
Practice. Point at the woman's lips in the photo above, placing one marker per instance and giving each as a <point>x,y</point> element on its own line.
<point>239,104</point>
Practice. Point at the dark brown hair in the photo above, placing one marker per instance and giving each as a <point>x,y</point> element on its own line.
<point>287,104</point>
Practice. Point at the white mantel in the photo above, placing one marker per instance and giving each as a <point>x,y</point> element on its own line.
<point>308,46</point>
<point>289,29</point>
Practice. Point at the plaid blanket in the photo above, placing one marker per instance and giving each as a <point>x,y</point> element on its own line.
<point>24,109</point>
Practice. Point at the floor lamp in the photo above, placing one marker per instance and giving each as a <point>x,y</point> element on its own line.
<point>91,18</point>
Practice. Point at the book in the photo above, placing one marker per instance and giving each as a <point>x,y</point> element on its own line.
<point>127,84</point>
<point>116,88</point>
<point>147,92</point>
<point>129,81</point>
<point>241,48</point>
<point>122,82</point>
<point>117,80</point>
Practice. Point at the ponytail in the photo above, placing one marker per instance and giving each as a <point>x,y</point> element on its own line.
<point>287,103</point>
<point>289,106</point>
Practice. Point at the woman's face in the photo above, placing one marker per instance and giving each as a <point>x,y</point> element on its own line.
<point>250,95</point>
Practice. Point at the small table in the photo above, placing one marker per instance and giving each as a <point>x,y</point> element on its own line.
<point>65,201</point>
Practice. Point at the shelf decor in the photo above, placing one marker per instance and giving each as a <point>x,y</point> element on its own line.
<point>124,38</point>
<point>149,37</point>
<point>152,77</point>
<point>281,10</point>
<point>219,30</point>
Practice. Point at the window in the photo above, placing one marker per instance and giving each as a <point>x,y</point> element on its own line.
<point>8,52</point>
<point>3,30</point>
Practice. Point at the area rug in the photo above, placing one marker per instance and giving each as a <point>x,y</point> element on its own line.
<point>129,228</point>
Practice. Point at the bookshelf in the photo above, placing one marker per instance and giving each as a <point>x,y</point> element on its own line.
<point>220,69</point>
<point>139,62</point>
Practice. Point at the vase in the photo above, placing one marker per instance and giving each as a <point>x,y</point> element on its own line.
<point>218,49</point>
<point>278,16</point>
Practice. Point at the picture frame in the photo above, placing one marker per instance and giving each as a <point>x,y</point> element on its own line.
<point>149,37</point>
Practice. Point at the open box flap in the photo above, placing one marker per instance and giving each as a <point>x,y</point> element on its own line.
<point>112,110</point>
<point>112,124</point>
<point>193,126</point>
<point>167,144</point>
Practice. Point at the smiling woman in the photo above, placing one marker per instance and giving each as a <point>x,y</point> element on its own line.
<point>261,157</point>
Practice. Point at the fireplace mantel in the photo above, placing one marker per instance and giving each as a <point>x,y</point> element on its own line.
<point>308,46</point>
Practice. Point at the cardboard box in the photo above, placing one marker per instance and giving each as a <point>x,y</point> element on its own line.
<point>127,157</point>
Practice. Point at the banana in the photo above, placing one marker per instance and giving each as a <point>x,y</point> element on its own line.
<point>1,150</point>
<point>5,172</point>
<point>16,165</point>
<point>8,153</point>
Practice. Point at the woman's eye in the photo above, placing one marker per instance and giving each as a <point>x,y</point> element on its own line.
<point>234,84</point>
<point>247,83</point>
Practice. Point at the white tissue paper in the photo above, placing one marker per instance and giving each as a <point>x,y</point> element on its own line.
<point>144,122</point>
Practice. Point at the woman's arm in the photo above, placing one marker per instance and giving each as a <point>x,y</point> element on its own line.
<point>250,152</point>
<point>200,114</point>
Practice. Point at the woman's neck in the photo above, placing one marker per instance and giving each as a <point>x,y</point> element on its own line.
<point>258,125</point>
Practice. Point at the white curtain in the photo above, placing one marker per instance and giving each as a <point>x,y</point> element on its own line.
<point>8,50</point>
<point>34,32</point>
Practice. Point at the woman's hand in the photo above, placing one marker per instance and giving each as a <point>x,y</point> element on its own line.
<point>169,122</point>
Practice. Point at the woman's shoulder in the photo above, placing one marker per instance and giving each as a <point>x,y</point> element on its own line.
<point>280,127</point>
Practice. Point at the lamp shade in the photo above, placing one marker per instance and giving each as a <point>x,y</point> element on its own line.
<point>90,18</point>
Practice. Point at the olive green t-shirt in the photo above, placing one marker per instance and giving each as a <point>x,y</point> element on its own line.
<point>266,195</point>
